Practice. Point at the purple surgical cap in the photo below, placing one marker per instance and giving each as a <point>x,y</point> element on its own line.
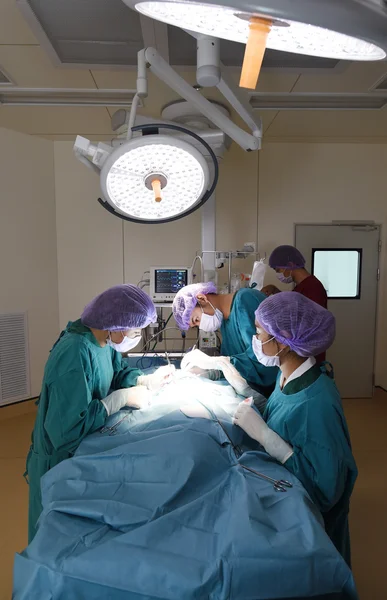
<point>186,300</point>
<point>119,308</point>
<point>292,319</point>
<point>283,255</point>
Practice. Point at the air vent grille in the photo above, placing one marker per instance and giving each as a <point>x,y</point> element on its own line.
<point>14,359</point>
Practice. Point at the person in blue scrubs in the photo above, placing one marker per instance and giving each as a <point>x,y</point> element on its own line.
<point>304,426</point>
<point>85,381</point>
<point>198,305</point>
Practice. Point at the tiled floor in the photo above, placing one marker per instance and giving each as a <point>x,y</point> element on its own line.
<point>367,421</point>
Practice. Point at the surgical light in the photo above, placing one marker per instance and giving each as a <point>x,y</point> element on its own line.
<point>335,29</point>
<point>154,178</point>
<point>157,178</point>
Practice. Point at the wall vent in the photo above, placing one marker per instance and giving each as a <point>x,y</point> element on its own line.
<point>14,358</point>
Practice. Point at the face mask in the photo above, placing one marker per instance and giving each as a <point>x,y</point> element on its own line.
<point>210,323</point>
<point>126,344</point>
<point>284,279</point>
<point>267,361</point>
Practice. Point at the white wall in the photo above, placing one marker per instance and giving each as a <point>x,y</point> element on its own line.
<point>89,240</point>
<point>318,183</point>
<point>28,268</point>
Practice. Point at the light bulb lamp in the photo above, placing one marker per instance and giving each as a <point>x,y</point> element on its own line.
<point>140,205</point>
<point>336,29</point>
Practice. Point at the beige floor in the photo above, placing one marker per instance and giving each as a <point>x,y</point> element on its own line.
<point>367,421</point>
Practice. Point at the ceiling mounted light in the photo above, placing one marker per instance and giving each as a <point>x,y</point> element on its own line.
<point>153,178</point>
<point>335,29</point>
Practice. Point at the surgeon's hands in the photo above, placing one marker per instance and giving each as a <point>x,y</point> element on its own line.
<point>156,380</point>
<point>138,397</point>
<point>233,377</point>
<point>252,423</point>
<point>198,363</point>
<point>135,397</point>
<point>196,359</point>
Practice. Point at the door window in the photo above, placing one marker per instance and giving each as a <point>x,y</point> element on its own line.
<point>339,270</point>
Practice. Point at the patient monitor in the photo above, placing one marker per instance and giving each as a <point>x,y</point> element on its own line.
<point>165,282</point>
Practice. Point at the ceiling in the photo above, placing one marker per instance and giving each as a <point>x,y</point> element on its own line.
<point>88,48</point>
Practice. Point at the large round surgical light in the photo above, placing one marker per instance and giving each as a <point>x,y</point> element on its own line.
<point>155,178</point>
<point>232,23</point>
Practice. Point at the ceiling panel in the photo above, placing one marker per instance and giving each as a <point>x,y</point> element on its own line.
<point>13,27</point>
<point>42,120</point>
<point>4,79</point>
<point>268,118</point>
<point>70,137</point>
<point>29,66</point>
<point>98,32</point>
<point>159,93</point>
<point>182,47</point>
<point>115,80</point>
<point>330,124</point>
<point>103,20</point>
<point>358,77</point>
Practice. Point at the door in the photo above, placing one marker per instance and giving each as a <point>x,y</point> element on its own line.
<point>345,258</point>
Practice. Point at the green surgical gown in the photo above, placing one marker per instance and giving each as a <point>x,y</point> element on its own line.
<point>237,333</point>
<point>78,374</point>
<point>308,414</point>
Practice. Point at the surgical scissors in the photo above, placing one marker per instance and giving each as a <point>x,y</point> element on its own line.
<point>113,428</point>
<point>280,485</point>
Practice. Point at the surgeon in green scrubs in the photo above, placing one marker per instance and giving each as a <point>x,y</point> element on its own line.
<point>304,426</point>
<point>85,381</point>
<point>198,305</point>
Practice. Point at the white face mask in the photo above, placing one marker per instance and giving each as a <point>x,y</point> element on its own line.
<point>126,344</point>
<point>267,361</point>
<point>210,323</point>
<point>284,279</point>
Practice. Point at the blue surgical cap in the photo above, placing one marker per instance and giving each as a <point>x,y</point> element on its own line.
<point>119,308</point>
<point>294,320</point>
<point>284,256</point>
<point>186,299</point>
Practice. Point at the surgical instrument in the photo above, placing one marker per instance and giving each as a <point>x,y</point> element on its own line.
<point>280,485</point>
<point>113,428</point>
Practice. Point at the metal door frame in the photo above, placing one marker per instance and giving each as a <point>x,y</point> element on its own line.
<point>357,224</point>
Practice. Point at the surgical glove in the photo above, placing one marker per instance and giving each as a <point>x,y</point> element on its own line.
<point>195,411</point>
<point>135,397</point>
<point>156,380</point>
<point>197,359</point>
<point>198,371</point>
<point>139,397</point>
<point>233,377</point>
<point>252,423</point>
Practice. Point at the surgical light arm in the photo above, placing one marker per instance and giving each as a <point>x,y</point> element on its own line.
<point>159,67</point>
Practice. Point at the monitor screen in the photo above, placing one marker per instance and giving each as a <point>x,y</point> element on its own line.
<point>170,281</point>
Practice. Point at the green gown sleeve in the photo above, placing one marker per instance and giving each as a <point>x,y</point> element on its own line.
<point>237,337</point>
<point>124,376</point>
<point>72,412</point>
<point>323,475</point>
